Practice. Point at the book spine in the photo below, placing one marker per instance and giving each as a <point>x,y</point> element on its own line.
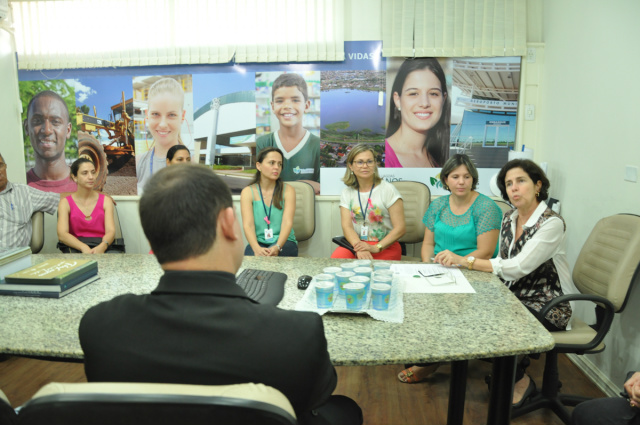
<point>39,294</point>
<point>59,280</point>
<point>76,280</point>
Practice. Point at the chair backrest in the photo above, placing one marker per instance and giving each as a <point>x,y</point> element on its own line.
<point>304,220</point>
<point>504,206</point>
<point>141,403</point>
<point>118,241</point>
<point>7,414</point>
<point>37,232</point>
<point>608,262</point>
<point>416,197</point>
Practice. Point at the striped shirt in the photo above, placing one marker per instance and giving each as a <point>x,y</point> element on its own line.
<point>18,202</point>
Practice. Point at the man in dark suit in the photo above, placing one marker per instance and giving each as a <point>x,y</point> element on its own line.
<point>198,326</point>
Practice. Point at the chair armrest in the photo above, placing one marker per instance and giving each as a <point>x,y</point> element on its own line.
<point>603,327</point>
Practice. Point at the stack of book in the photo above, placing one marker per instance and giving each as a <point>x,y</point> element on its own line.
<point>13,260</point>
<point>51,279</point>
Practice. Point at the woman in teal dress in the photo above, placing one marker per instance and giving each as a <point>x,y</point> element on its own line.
<point>268,206</point>
<point>466,223</point>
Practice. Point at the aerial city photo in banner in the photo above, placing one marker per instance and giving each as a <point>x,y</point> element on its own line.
<point>415,112</point>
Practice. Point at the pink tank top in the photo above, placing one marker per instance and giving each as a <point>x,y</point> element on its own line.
<point>79,226</point>
<point>390,158</point>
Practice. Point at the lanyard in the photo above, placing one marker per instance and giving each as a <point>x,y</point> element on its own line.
<point>267,216</point>
<point>368,204</point>
<point>153,152</point>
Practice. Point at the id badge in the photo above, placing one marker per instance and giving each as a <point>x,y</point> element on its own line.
<point>364,233</point>
<point>268,235</point>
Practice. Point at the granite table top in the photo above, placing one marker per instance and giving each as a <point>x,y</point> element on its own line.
<point>437,327</point>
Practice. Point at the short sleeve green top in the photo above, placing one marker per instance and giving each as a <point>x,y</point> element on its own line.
<point>459,233</point>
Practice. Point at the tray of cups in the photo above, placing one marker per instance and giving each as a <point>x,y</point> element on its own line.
<point>346,292</point>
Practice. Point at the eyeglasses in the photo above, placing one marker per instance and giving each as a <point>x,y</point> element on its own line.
<point>3,165</point>
<point>368,163</point>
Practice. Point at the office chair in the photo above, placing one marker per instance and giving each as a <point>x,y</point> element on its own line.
<point>416,197</point>
<point>37,232</point>
<point>304,220</point>
<point>604,273</point>
<point>97,403</point>
<point>118,241</point>
<point>504,205</point>
<point>7,414</point>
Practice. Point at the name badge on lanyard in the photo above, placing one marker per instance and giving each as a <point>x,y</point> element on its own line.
<point>268,232</point>
<point>364,230</point>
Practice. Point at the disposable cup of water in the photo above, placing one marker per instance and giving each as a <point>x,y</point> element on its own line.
<point>380,295</point>
<point>332,271</point>
<point>324,293</point>
<point>366,281</point>
<point>376,278</point>
<point>363,271</point>
<point>354,294</point>
<point>348,267</point>
<point>381,265</point>
<point>342,278</point>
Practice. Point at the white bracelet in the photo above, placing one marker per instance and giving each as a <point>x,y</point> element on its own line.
<point>279,247</point>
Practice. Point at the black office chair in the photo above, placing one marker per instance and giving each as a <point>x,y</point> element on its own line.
<point>604,273</point>
<point>158,404</point>
<point>7,414</point>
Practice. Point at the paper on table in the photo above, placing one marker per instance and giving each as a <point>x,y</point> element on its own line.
<point>412,275</point>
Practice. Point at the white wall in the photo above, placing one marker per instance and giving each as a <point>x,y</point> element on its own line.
<point>588,116</point>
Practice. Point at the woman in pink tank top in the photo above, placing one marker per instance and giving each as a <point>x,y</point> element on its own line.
<point>84,215</point>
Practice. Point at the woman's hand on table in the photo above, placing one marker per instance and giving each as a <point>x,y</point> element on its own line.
<point>448,258</point>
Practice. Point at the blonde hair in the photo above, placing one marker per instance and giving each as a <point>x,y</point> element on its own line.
<point>350,178</point>
<point>170,86</point>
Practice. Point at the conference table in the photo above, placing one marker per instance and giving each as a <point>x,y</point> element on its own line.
<point>490,323</point>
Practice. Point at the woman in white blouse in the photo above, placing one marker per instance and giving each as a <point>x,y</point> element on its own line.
<point>531,259</point>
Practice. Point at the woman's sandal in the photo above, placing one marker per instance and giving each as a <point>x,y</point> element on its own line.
<point>408,377</point>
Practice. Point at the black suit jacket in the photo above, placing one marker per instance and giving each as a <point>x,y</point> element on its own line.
<point>201,328</point>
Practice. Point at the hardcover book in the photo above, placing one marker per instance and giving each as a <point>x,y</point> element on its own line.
<point>44,291</point>
<point>54,272</point>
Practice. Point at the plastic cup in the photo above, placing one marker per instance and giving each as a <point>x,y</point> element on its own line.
<point>380,294</point>
<point>324,277</point>
<point>381,265</point>
<point>362,263</point>
<point>363,271</point>
<point>324,293</point>
<point>366,281</point>
<point>342,278</point>
<point>348,267</point>
<point>354,294</point>
<point>376,278</point>
<point>383,273</point>
<point>332,271</point>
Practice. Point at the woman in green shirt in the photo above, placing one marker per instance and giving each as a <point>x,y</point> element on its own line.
<point>466,223</point>
<point>268,207</point>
